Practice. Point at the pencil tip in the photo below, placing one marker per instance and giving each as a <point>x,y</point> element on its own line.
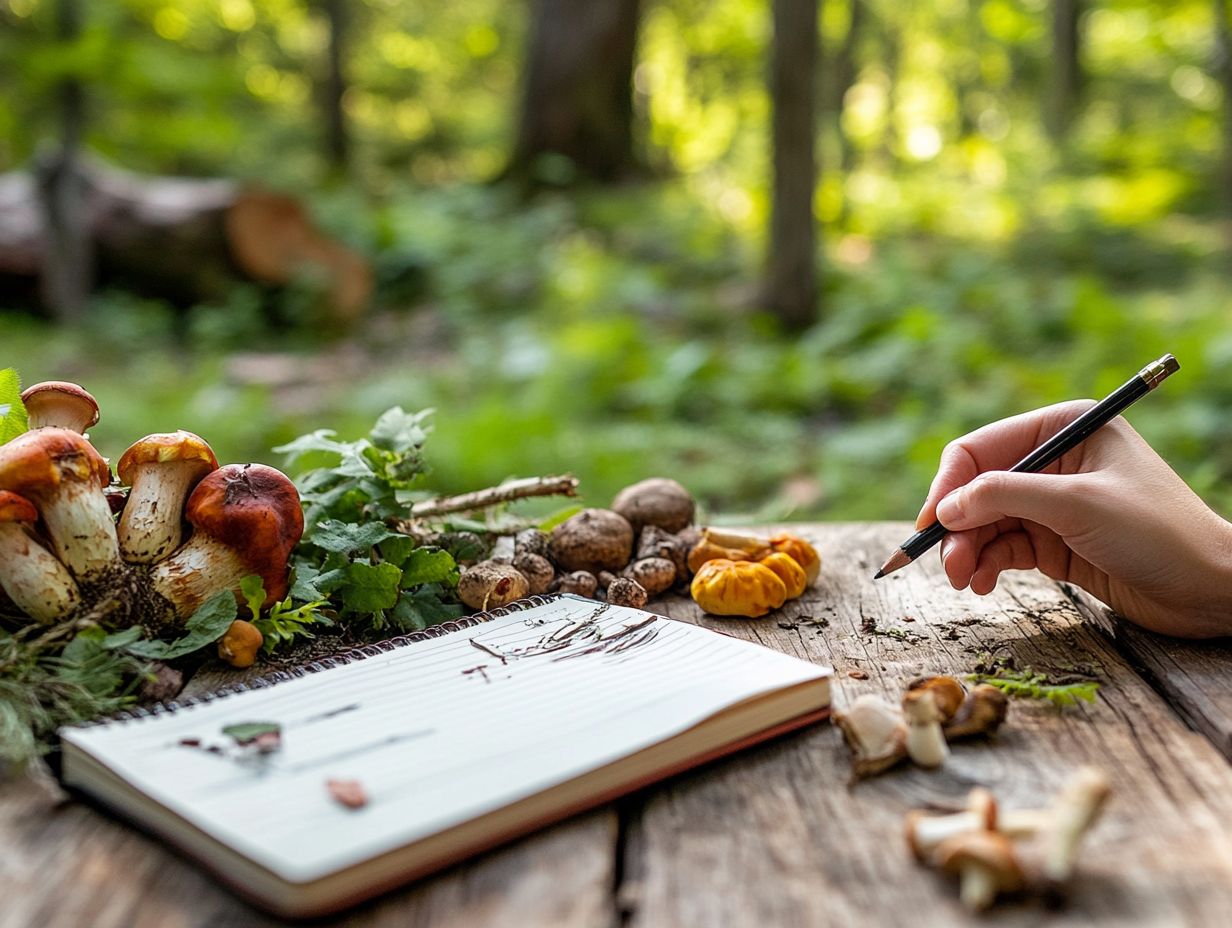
<point>899,560</point>
<point>878,575</point>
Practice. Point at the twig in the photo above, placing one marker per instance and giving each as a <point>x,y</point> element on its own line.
<point>559,485</point>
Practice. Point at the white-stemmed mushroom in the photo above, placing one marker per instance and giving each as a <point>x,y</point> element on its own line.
<point>37,583</point>
<point>985,863</point>
<point>58,404</point>
<point>926,831</point>
<point>876,733</point>
<point>1072,814</point>
<point>925,741</point>
<point>61,473</point>
<point>162,470</point>
<point>246,519</point>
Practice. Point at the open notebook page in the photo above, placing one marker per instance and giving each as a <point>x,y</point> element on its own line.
<point>437,731</point>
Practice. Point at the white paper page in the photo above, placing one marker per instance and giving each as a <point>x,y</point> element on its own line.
<point>438,731</point>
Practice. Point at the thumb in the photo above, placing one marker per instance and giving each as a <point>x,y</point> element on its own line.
<point>1060,503</point>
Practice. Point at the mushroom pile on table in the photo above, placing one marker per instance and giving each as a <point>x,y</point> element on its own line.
<point>188,529</point>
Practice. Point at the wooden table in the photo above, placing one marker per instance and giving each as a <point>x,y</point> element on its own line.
<point>775,836</point>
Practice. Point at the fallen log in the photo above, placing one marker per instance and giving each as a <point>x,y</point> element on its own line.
<point>182,239</point>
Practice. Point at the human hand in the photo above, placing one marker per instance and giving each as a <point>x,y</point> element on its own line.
<point>1109,516</point>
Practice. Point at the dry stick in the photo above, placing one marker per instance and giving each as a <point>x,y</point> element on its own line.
<point>561,485</point>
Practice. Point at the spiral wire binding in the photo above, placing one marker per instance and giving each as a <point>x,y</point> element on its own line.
<point>336,660</point>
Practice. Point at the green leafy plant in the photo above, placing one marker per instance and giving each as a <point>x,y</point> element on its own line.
<point>12,412</point>
<point>1029,684</point>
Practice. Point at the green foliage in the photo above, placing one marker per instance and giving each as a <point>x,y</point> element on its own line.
<point>46,683</point>
<point>12,412</point>
<point>372,575</point>
<point>284,622</point>
<point>204,627</point>
<point>1028,684</point>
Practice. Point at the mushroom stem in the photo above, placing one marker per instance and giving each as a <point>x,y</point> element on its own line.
<point>37,583</point>
<point>925,741</point>
<point>977,887</point>
<point>201,568</point>
<point>151,525</point>
<point>1076,809</point>
<point>80,526</point>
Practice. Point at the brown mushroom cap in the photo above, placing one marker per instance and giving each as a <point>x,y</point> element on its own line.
<point>14,508</point>
<point>990,855</point>
<point>36,462</point>
<point>164,448</point>
<point>255,511</point>
<point>59,404</point>
<point>657,501</point>
<point>947,692</point>
<point>592,540</point>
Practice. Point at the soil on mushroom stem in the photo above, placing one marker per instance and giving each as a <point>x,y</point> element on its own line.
<point>124,596</point>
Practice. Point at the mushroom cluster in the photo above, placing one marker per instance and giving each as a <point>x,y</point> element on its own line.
<point>994,851</point>
<point>934,711</point>
<point>737,573</point>
<point>187,529</point>
<point>624,555</point>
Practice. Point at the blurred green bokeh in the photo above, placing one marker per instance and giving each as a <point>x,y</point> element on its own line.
<point>974,267</point>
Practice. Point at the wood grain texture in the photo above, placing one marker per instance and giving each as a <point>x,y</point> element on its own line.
<point>777,837</point>
<point>1195,677</point>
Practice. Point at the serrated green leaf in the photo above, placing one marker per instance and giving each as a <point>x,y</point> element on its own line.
<point>397,548</point>
<point>206,626</point>
<point>399,431</point>
<point>347,537</point>
<point>429,565</point>
<point>253,589</point>
<point>370,587</point>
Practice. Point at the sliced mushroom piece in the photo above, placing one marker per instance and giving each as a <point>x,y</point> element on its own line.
<point>1074,811</point>
<point>58,404</point>
<point>36,582</point>
<point>246,519</point>
<point>61,473</point>
<point>489,584</point>
<point>876,733</point>
<point>626,592</point>
<point>161,469</point>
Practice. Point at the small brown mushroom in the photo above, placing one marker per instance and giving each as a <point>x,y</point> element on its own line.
<point>240,643</point>
<point>537,570</point>
<point>986,866</point>
<point>162,470</point>
<point>246,519</point>
<point>34,579</point>
<point>626,592</point>
<point>57,404</point>
<point>981,713</point>
<point>488,585</point>
<point>876,733</point>
<point>655,574</point>
<point>657,501</point>
<point>579,583</point>
<point>592,540</point>
<point>947,692</point>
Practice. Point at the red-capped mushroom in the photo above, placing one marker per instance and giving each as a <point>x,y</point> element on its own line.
<point>37,583</point>
<point>58,404</point>
<point>161,469</point>
<point>246,519</point>
<point>61,473</point>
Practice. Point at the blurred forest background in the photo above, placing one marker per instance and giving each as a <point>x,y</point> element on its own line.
<point>589,232</point>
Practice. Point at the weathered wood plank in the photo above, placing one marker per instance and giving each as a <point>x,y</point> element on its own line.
<point>777,837</point>
<point>64,865</point>
<point>1195,677</point>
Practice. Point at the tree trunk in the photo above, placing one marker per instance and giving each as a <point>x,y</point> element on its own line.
<point>1222,70</point>
<point>337,142</point>
<point>181,239</point>
<point>791,269</point>
<point>578,93</point>
<point>69,268</point>
<point>1065,76</point>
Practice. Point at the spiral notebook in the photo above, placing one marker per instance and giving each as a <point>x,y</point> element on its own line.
<point>311,790</point>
